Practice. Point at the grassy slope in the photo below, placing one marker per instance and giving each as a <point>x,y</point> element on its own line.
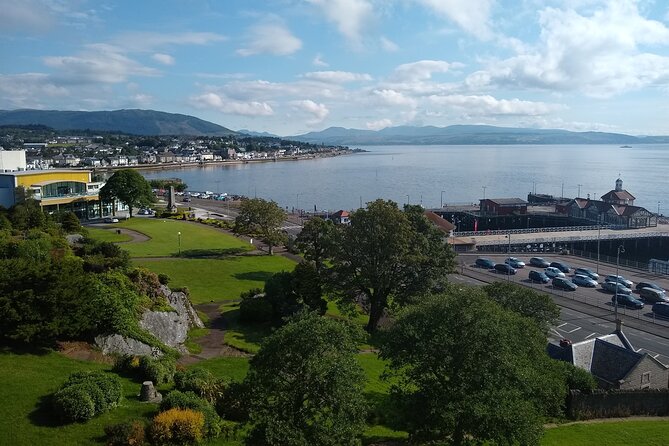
<point>219,279</point>
<point>623,433</point>
<point>165,240</point>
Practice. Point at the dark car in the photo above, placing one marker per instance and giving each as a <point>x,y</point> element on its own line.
<point>649,285</point>
<point>503,268</point>
<point>561,266</point>
<point>482,262</point>
<point>661,309</point>
<point>539,262</point>
<point>651,295</point>
<point>538,276</point>
<point>564,284</point>
<point>627,300</point>
<point>583,280</point>
<point>611,288</point>
<point>587,272</point>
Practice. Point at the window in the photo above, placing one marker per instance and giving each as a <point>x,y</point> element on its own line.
<point>645,379</point>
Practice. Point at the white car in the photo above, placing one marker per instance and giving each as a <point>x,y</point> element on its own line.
<point>111,220</point>
<point>553,272</point>
<point>514,262</point>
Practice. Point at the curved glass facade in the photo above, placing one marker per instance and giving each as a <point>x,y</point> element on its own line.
<point>63,189</point>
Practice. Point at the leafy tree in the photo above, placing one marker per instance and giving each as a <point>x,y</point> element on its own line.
<point>129,187</point>
<point>306,387</point>
<point>526,302</point>
<point>385,256</point>
<point>261,218</point>
<point>70,222</point>
<point>292,292</point>
<point>317,241</point>
<point>468,369</point>
<point>27,215</point>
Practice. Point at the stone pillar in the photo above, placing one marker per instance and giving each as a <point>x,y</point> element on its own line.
<point>148,394</point>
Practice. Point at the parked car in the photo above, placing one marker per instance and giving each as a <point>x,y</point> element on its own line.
<point>564,284</point>
<point>503,268</point>
<point>649,285</point>
<point>587,272</point>
<point>553,272</point>
<point>111,220</point>
<point>611,288</point>
<point>651,295</point>
<point>582,280</point>
<point>514,262</point>
<point>186,199</point>
<point>483,262</point>
<point>538,276</point>
<point>146,212</point>
<point>619,279</point>
<point>561,266</point>
<point>629,301</point>
<point>539,262</point>
<point>661,309</point>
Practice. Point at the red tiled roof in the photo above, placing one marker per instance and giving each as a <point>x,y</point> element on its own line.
<point>441,223</point>
<point>618,195</point>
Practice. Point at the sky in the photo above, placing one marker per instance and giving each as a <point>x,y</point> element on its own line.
<point>293,66</point>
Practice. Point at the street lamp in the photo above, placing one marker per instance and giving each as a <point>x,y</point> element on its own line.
<point>179,235</point>
<point>599,232</point>
<point>621,248</point>
<point>508,252</point>
<point>442,199</point>
<point>658,208</point>
<point>408,199</point>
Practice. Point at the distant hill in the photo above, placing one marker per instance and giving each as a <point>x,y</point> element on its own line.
<point>469,134</point>
<point>135,122</point>
<point>258,134</point>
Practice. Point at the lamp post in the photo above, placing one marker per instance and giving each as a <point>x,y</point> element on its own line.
<point>599,232</point>
<point>484,188</point>
<point>508,252</point>
<point>621,248</point>
<point>179,236</point>
<point>579,190</point>
<point>441,202</point>
<point>658,208</point>
<point>408,199</point>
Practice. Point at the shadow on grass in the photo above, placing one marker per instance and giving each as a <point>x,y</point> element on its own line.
<point>43,414</point>
<point>242,335</point>
<point>383,411</point>
<point>22,349</point>
<point>258,276</point>
<point>215,253</point>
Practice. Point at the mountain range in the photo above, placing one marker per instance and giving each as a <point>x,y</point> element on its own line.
<point>469,134</point>
<point>134,122</point>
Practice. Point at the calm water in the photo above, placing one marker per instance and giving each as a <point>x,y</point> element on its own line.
<point>421,173</point>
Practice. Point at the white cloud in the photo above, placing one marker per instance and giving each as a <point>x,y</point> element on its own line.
<point>421,70</point>
<point>270,38</point>
<point>28,90</point>
<point>318,111</point>
<point>349,16</point>
<point>141,100</point>
<point>393,98</point>
<point>378,125</point>
<point>164,59</point>
<point>599,54</point>
<point>224,104</point>
<point>388,45</point>
<point>319,62</point>
<point>486,105</point>
<point>337,77</point>
<point>472,16</point>
<point>148,41</point>
<point>25,15</point>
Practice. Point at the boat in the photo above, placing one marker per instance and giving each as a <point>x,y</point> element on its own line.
<point>625,147</point>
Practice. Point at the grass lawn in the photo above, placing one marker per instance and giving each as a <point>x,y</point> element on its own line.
<point>620,433</point>
<point>218,279</point>
<point>232,368</point>
<point>107,235</point>
<point>197,240</point>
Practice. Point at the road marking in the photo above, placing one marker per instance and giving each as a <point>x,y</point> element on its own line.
<point>590,335</point>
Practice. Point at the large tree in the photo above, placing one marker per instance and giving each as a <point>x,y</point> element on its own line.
<point>522,300</point>
<point>128,187</point>
<point>390,257</point>
<point>306,387</point>
<point>317,241</point>
<point>261,218</point>
<point>468,369</point>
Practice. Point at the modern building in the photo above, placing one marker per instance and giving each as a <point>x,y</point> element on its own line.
<point>56,190</point>
<point>12,160</point>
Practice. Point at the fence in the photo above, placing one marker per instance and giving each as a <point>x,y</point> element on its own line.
<point>532,230</point>
<point>617,403</point>
<point>642,266</point>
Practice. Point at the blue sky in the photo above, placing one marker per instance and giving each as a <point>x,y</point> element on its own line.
<point>293,66</point>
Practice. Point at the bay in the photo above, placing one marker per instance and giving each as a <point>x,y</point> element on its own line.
<point>419,174</point>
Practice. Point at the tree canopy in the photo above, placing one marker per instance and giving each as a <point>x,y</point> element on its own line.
<point>306,387</point>
<point>526,302</point>
<point>467,368</point>
<point>129,187</point>
<point>261,218</point>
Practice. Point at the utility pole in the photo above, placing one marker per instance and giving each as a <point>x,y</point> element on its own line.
<point>484,188</point>
<point>579,190</point>
<point>621,248</point>
<point>441,202</point>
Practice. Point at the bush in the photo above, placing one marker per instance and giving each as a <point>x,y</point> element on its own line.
<point>177,426</point>
<point>255,307</point>
<point>125,434</point>
<point>233,405</point>
<point>160,371</point>
<point>164,279</point>
<point>87,394</point>
<point>201,382</point>
<point>189,400</point>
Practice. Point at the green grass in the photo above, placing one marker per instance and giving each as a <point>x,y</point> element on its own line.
<point>107,235</point>
<point>197,240</point>
<point>232,368</point>
<point>218,279</point>
<point>620,433</point>
<point>191,341</point>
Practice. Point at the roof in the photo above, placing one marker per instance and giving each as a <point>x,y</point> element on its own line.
<point>340,214</point>
<point>621,195</point>
<point>440,222</point>
<point>612,362</point>
<point>37,172</point>
<point>507,201</point>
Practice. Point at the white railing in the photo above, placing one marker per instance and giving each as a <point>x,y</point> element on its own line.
<point>533,230</point>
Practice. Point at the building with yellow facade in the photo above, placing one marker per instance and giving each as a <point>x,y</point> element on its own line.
<point>56,190</point>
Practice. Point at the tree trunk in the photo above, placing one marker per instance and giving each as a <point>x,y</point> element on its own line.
<point>130,210</point>
<point>375,312</point>
<point>270,249</point>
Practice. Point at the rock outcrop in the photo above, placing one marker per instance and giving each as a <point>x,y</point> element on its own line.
<point>171,327</point>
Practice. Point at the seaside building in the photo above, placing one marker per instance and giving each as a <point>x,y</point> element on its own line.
<point>12,160</point>
<point>56,190</point>
<point>503,206</point>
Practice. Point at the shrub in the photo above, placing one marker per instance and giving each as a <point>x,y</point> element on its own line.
<point>74,403</point>
<point>163,278</point>
<point>160,371</point>
<point>125,434</point>
<point>233,405</point>
<point>255,307</point>
<point>177,426</point>
<point>189,400</point>
<point>147,283</point>
<point>201,382</point>
<point>87,394</point>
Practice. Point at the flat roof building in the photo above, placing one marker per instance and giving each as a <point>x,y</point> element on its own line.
<point>12,160</point>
